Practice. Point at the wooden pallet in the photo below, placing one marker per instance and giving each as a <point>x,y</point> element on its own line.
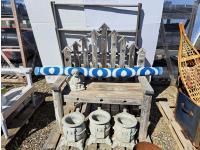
<point>168,113</point>
<point>18,119</point>
<point>56,140</point>
<point>12,79</point>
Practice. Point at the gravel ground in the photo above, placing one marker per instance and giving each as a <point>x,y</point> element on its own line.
<point>34,134</point>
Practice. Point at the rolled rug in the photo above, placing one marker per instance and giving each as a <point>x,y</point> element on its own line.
<point>100,72</point>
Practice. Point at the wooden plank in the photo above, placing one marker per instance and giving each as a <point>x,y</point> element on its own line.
<point>58,108</point>
<point>138,27</point>
<point>122,43</point>
<point>144,117</point>
<point>105,97</point>
<point>81,29</point>
<point>96,4</point>
<point>19,34</point>
<point>113,48</point>
<point>13,81</point>
<point>177,129</point>
<point>131,58</point>
<point>67,56</point>
<point>19,122</point>
<point>84,41</point>
<point>104,44</point>
<point>10,47</point>
<point>52,140</point>
<point>7,19</point>
<point>180,146</point>
<point>76,54</point>
<point>10,50</point>
<point>114,86</point>
<point>173,15</point>
<point>94,36</point>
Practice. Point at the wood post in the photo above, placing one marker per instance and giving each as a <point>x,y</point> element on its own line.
<point>58,107</point>
<point>138,27</point>
<point>144,117</point>
<point>104,44</point>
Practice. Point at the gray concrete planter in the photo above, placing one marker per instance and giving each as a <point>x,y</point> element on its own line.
<point>124,130</point>
<point>99,127</point>
<point>74,129</point>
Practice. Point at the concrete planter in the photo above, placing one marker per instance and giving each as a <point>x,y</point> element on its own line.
<point>124,129</point>
<point>99,127</point>
<point>74,129</point>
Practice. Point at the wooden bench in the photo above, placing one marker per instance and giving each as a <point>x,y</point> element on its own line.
<point>105,49</point>
<point>14,98</point>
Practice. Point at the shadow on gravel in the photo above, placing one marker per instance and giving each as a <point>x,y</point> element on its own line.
<point>41,118</point>
<point>155,114</point>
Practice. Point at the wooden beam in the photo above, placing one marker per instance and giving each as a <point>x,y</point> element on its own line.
<point>171,15</point>
<point>11,50</point>
<point>96,4</point>
<point>104,44</point>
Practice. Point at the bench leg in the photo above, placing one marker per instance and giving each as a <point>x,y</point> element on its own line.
<point>144,117</point>
<point>58,107</point>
